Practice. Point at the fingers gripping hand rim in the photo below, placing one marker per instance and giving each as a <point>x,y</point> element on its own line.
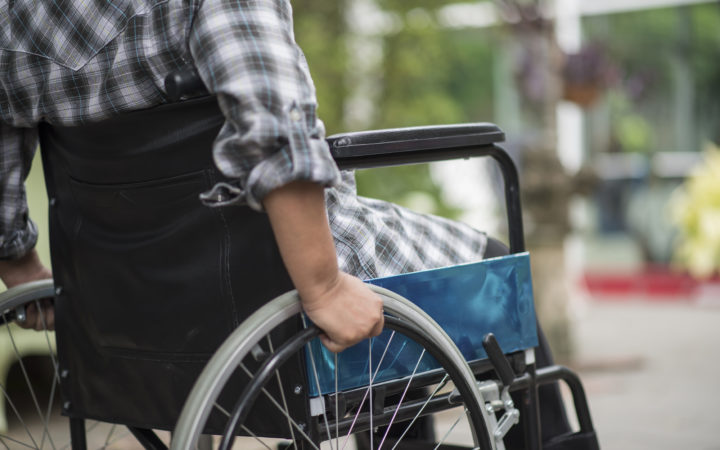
<point>347,313</point>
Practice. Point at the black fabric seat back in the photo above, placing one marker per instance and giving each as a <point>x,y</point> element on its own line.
<point>150,280</point>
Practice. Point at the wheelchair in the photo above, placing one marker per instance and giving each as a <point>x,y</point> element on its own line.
<point>171,341</point>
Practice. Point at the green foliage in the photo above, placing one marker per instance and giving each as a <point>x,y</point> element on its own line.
<point>633,133</point>
<point>651,47</point>
<point>320,30</point>
<point>410,186</point>
<point>706,44</point>
<point>435,76</point>
<point>403,6</point>
<point>429,76</point>
<point>632,130</point>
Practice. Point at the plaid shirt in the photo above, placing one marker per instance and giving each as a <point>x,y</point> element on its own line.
<point>73,61</point>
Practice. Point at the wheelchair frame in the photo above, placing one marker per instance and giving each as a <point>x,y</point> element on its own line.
<point>386,148</point>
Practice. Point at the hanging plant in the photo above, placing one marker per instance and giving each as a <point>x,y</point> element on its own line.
<point>586,75</point>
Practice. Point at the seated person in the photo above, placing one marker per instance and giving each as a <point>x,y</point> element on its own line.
<point>272,144</point>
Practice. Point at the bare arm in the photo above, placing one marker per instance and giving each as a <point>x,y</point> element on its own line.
<point>341,305</point>
<point>22,270</point>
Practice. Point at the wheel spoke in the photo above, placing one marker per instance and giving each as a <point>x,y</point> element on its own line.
<point>32,391</point>
<point>17,414</point>
<point>282,411</point>
<point>396,376</point>
<point>9,400</point>
<point>40,400</point>
<point>362,402</point>
<point>51,402</point>
<point>402,398</point>
<point>370,385</point>
<point>221,409</point>
<point>109,436</point>
<point>282,391</point>
<point>117,438</point>
<point>249,432</point>
<point>317,384</point>
<point>56,373</point>
<point>422,408</point>
<point>444,438</point>
<point>16,441</point>
<point>337,408</point>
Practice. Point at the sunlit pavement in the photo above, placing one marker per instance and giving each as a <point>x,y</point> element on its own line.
<point>651,369</point>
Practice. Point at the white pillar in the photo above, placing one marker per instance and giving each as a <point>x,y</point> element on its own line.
<point>570,120</point>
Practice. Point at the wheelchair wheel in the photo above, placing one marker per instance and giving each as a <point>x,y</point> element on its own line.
<point>31,410</point>
<point>247,391</point>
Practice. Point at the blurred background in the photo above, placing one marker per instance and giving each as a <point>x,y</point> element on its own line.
<point>612,113</point>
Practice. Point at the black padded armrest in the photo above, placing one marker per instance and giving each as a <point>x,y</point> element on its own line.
<point>413,144</point>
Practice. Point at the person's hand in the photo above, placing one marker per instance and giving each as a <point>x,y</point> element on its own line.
<point>347,312</point>
<point>24,270</point>
<point>42,319</point>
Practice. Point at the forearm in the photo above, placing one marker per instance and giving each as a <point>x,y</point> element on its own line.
<point>24,269</point>
<point>299,221</point>
<point>341,305</point>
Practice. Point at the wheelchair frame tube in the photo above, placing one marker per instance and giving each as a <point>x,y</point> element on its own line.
<point>553,374</point>
<point>512,198</point>
<point>507,167</point>
<point>530,406</point>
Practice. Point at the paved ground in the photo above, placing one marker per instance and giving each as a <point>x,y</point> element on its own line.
<point>652,372</point>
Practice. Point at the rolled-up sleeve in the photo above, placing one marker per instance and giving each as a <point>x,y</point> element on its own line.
<point>246,54</point>
<point>18,234</point>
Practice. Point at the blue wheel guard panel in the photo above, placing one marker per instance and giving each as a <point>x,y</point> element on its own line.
<point>468,301</point>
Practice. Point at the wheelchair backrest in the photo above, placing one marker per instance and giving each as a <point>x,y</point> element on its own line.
<point>150,281</point>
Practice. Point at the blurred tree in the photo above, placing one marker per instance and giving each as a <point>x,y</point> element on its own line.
<point>320,30</point>
<point>428,75</point>
<point>670,79</point>
<point>431,75</point>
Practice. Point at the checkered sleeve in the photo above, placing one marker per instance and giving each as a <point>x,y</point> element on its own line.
<point>18,234</point>
<point>246,54</point>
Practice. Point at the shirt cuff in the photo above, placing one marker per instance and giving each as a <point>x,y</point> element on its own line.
<point>305,157</point>
<point>19,243</point>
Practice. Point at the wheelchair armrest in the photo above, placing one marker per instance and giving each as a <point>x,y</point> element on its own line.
<point>367,149</point>
<point>412,145</point>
